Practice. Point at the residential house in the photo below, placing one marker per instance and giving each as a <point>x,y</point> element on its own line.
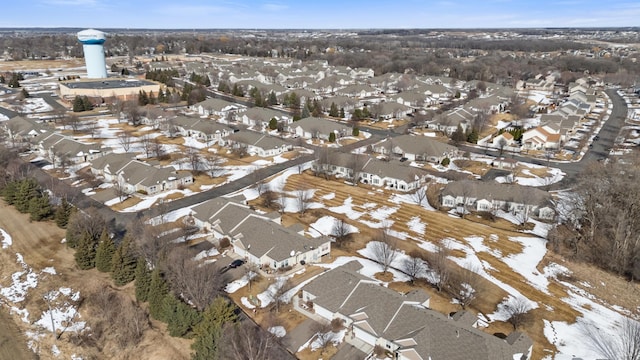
<point>361,73</point>
<point>219,215</point>
<point>357,91</point>
<point>503,140</point>
<point>272,246</point>
<point>318,128</point>
<point>391,110</point>
<point>449,121</point>
<point>205,130</point>
<point>217,107</point>
<point>415,148</point>
<point>136,176</point>
<point>413,98</point>
<point>262,145</point>
<point>62,151</point>
<point>260,117</point>
<point>20,129</point>
<point>401,324</point>
<point>342,102</point>
<point>389,174</point>
<point>523,201</point>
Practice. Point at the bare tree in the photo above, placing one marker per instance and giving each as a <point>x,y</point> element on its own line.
<point>195,159</point>
<point>355,167</point>
<point>125,139</point>
<point>133,113</point>
<point>624,344</point>
<point>341,232</point>
<point>252,272</point>
<point>501,145</point>
<point>214,164</point>
<point>120,189</point>
<point>464,285</point>
<point>147,144</point>
<point>414,266</point>
<point>198,283</point>
<point>157,148</point>
<point>420,195</point>
<point>385,249</point>
<point>517,310</point>
<point>323,335</point>
<point>441,265</point>
<point>303,198</point>
<point>246,341</point>
<point>283,286</point>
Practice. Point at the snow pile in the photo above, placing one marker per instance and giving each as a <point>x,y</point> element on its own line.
<point>347,209</point>
<point>245,301</point>
<point>206,253</point>
<point>62,312</point>
<point>6,239</point>
<point>239,284</point>
<point>325,224</point>
<point>278,331</point>
<point>21,282</point>
<point>319,339</point>
<point>268,296</point>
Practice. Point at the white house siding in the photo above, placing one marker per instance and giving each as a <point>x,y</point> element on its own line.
<point>364,336</point>
<point>324,313</point>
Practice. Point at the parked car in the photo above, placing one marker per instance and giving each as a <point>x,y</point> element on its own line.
<point>236,263</point>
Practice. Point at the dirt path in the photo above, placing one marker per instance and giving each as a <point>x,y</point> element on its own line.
<point>12,342</point>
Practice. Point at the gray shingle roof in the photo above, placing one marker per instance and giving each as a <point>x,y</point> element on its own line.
<point>263,141</point>
<point>496,191</point>
<point>266,237</point>
<point>419,145</point>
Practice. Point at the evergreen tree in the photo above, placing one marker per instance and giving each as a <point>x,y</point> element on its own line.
<point>10,191</point>
<point>27,190</point>
<point>142,281</point>
<point>305,112</point>
<point>25,93</point>
<point>333,111</point>
<point>40,207</point>
<point>181,318</point>
<point>157,291</point>
<point>86,104</point>
<point>458,135</point>
<point>273,124</point>
<point>86,252</point>
<point>317,109</point>
<point>143,98</point>
<point>78,106</point>
<point>342,113</point>
<point>123,263</point>
<point>273,99</point>
<point>63,213</point>
<point>152,98</point>
<point>15,81</point>
<point>208,331</point>
<point>332,137</point>
<point>105,252</point>
<point>355,131</point>
<point>472,137</point>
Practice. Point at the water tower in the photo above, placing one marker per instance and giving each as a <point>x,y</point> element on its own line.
<point>92,41</point>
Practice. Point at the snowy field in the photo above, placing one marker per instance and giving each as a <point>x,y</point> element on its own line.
<point>568,338</point>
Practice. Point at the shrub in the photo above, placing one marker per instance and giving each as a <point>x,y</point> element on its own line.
<point>445,162</point>
<point>225,243</point>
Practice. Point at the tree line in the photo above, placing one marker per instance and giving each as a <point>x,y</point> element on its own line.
<point>184,293</point>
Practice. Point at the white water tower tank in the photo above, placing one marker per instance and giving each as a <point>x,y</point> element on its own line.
<point>92,41</point>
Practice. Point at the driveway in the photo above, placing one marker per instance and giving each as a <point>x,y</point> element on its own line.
<point>299,335</point>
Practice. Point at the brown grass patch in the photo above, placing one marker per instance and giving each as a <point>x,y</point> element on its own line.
<point>384,276</point>
<point>476,167</point>
<point>131,201</point>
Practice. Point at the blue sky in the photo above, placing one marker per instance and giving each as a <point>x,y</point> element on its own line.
<point>312,14</point>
